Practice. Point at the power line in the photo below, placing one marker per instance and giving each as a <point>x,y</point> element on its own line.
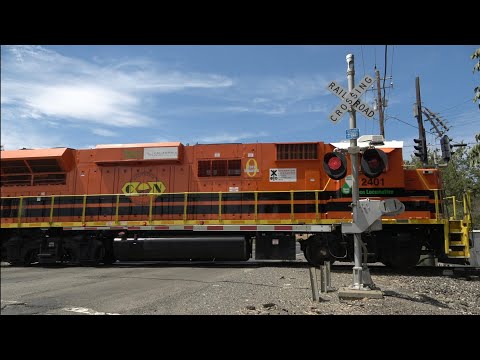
<point>458,112</point>
<point>453,107</point>
<point>464,124</point>
<point>416,127</point>
<point>461,115</point>
<point>436,143</point>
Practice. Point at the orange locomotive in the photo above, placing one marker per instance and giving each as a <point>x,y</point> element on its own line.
<point>167,201</point>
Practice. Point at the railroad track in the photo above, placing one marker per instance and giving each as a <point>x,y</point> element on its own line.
<point>454,271</point>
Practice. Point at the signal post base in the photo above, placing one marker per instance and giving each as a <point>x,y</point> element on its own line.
<point>349,293</point>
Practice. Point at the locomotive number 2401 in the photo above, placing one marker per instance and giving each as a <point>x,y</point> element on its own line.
<point>374,182</point>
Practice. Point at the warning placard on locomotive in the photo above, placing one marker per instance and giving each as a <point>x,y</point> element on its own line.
<point>283,175</point>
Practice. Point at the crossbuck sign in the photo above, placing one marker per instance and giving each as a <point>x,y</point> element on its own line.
<point>351,100</point>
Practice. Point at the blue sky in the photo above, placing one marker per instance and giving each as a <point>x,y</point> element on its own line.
<point>81,96</point>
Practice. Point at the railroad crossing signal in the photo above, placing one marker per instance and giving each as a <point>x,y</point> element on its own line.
<point>374,161</point>
<point>351,100</point>
<point>335,165</point>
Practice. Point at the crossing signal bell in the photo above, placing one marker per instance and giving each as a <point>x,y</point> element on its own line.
<point>335,165</point>
<point>374,161</point>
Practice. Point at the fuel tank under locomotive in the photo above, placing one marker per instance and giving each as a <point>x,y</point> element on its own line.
<point>182,248</point>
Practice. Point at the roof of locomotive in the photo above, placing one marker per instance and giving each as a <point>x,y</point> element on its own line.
<point>159,144</point>
<point>58,152</point>
<point>32,153</point>
<point>394,144</point>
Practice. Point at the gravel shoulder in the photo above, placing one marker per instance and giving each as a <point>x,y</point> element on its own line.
<point>286,291</point>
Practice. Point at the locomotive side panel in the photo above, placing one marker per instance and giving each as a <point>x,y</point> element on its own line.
<point>150,191</point>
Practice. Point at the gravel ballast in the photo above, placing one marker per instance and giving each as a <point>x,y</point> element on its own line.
<point>274,290</point>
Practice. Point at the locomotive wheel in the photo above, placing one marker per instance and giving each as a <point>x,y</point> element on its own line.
<point>99,255</point>
<point>31,257</point>
<point>70,256</point>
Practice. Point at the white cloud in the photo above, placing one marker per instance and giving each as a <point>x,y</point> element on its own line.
<point>17,135</point>
<point>104,132</point>
<point>47,84</point>
<point>290,88</point>
<point>51,92</point>
<point>177,81</point>
<point>277,95</point>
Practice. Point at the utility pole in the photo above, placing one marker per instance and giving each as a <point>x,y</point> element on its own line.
<point>380,103</point>
<point>421,130</point>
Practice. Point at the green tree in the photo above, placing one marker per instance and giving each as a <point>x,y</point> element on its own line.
<point>474,153</point>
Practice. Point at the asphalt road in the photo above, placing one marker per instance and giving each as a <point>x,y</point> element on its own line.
<point>252,288</point>
<point>121,289</point>
<point>128,288</point>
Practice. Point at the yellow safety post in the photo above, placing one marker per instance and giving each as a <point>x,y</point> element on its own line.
<point>255,194</point>
<point>292,211</point>
<point>185,200</point>
<point>454,207</point>
<point>20,205</point>
<point>116,208</point>
<point>51,209</point>
<point>150,208</point>
<point>220,206</point>
<point>84,208</point>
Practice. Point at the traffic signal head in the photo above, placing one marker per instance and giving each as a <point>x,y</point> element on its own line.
<point>374,161</point>
<point>421,149</point>
<point>446,148</point>
<point>335,165</point>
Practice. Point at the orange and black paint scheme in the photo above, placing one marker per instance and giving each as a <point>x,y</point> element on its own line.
<point>169,201</point>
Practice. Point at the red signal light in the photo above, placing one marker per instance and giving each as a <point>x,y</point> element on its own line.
<point>335,165</point>
<point>374,161</point>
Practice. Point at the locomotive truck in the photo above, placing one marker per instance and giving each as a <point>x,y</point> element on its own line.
<point>169,201</point>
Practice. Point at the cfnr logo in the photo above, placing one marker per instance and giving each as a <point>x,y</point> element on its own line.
<point>143,183</point>
<point>150,187</point>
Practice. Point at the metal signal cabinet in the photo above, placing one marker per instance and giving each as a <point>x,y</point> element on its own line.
<point>167,201</point>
